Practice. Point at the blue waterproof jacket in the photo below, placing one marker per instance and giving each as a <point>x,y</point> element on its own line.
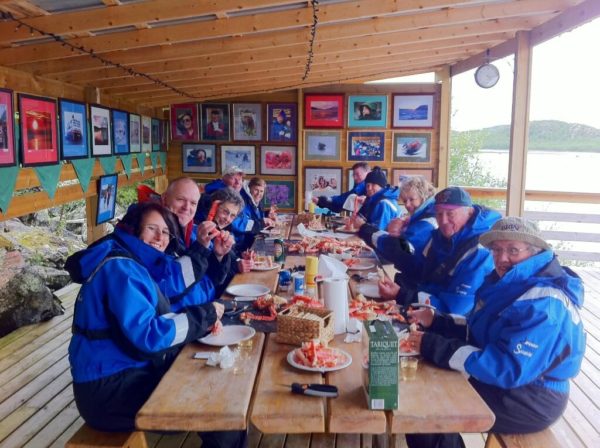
<point>244,226</point>
<point>336,203</point>
<point>382,207</point>
<point>123,319</point>
<point>525,329</point>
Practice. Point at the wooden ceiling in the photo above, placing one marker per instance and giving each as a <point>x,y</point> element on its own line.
<point>194,50</point>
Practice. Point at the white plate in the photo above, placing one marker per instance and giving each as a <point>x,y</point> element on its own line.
<point>369,290</point>
<point>343,229</point>
<point>401,354</point>
<point>266,268</point>
<point>271,232</point>
<point>362,266</point>
<point>422,305</point>
<point>248,290</point>
<point>231,334</point>
<point>401,336</point>
<point>244,299</point>
<point>290,359</point>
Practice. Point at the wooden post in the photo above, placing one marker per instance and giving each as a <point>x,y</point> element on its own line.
<point>443,77</point>
<point>161,183</point>
<point>300,155</point>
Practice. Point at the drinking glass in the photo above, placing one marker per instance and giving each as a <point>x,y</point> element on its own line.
<point>408,367</point>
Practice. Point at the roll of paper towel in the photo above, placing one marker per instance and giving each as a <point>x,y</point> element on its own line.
<point>335,296</point>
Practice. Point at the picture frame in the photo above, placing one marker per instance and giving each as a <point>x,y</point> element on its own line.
<point>242,156</point>
<point>107,195</point>
<point>397,173</point>
<point>146,134</point>
<point>73,129</point>
<point>278,160</point>
<point>120,126</point>
<point>199,158</point>
<point>164,135</point>
<point>215,121</point>
<point>322,145</point>
<point>282,122</point>
<point>184,122</point>
<point>350,178</point>
<point>413,110</point>
<point>324,110</point>
<point>247,121</point>
<point>100,131</point>
<point>411,147</point>
<point>367,111</point>
<point>135,134</point>
<point>155,134</point>
<point>281,193</point>
<point>322,182</point>
<point>366,146</point>
<point>8,153</point>
<point>38,127</point>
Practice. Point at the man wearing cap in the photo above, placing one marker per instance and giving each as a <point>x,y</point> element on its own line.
<point>454,263</point>
<point>523,341</point>
<point>336,203</point>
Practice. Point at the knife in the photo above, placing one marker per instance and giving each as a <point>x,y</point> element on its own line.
<point>315,390</point>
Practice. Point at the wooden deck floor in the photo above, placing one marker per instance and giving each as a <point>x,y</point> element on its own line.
<point>37,408</point>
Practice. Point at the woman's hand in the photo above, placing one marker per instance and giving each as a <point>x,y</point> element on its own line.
<point>269,222</point>
<point>423,316</point>
<point>388,289</point>
<point>415,338</point>
<point>206,232</point>
<point>219,308</point>
<point>357,222</point>
<point>396,226</point>
<point>223,244</point>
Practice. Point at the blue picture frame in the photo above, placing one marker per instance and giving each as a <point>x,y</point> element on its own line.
<point>107,198</point>
<point>366,146</point>
<point>120,127</point>
<point>367,111</point>
<point>155,134</point>
<point>73,121</point>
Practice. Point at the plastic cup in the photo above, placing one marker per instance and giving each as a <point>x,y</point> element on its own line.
<point>408,368</point>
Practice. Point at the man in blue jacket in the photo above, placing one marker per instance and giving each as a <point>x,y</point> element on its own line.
<point>381,205</point>
<point>336,203</point>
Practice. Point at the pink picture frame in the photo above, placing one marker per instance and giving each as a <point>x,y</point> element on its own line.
<point>39,138</point>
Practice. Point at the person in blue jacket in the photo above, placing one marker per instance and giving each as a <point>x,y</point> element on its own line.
<point>233,177</point>
<point>523,341</point>
<point>455,264</point>
<point>336,203</point>
<point>381,205</point>
<point>254,217</point>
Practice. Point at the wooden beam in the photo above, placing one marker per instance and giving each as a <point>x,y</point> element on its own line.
<point>443,77</point>
<point>498,52</point>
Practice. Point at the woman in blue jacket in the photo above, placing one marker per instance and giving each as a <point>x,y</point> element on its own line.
<point>523,341</point>
<point>381,205</point>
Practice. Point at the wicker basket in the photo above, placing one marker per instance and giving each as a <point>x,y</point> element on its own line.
<point>295,330</point>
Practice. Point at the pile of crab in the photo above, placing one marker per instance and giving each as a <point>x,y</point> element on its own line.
<point>272,304</point>
<point>363,309</point>
<point>314,245</point>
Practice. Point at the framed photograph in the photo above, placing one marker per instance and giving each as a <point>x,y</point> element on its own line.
<point>351,178</point>
<point>322,145</point>
<point>399,174</point>
<point>411,147</point>
<point>281,193</point>
<point>215,121</point>
<point>155,134</point>
<point>247,121</point>
<point>412,111</point>
<point>324,110</point>
<point>120,123</point>
<point>73,129</point>
<point>322,181</point>
<point>101,131</point>
<point>367,146</point>
<point>135,135</point>
<point>39,139</point>
<point>164,132</point>
<point>107,195</point>
<point>237,155</point>
<point>146,134</point>
<point>282,121</point>
<point>184,122</point>
<point>367,111</point>
<point>8,155</point>
<point>199,158</point>
<point>278,160</point>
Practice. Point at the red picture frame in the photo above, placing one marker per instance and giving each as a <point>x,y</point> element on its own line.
<point>8,155</point>
<point>37,123</point>
<point>324,110</point>
<point>184,123</point>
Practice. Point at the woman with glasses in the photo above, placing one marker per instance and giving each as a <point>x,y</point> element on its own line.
<point>523,341</point>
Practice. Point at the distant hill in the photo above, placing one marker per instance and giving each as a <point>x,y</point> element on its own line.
<point>549,135</point>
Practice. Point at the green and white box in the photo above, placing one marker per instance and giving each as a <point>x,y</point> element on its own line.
<point>380,378</point>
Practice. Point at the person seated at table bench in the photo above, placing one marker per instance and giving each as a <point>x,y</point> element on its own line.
<point>233,177</point>
<point>125,334</point>
<point>523,341</point>
<point>336,203</point>
<point>455,264</point>
<point>253,217</point>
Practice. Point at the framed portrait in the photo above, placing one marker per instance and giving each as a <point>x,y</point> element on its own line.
<point>411,147</point>
<point>399,174</point>
<point>238,155</point>
<point>282,122</point>
<point>120,125</point>
<point>8,154</point>
<point>155,134</point>
<point>215,121</point>
<point>351,178</point>
<point>322,181</point>
<point>247,121</point>
<point>164,135</point>
<point>324,110</point>
<point>199,158</point>
<point>367,146</point>
<point>39,139</point>
<point>135,137</point>
<point>412,111</point>
<point>101,131</point>
<point>107,198</point>
<point>278,160</point>
<point>367,111</point>
<point>146,134</point>
<point>73,129</point>
<point>281,193</point>
<point>322,145</point>
<point>184,122</point>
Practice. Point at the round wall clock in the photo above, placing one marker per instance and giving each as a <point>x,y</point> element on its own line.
<point>487,76</point>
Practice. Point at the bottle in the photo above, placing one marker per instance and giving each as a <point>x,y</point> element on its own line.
<point>311,207</point>
<point>278,251</point>
<point>310,285</point>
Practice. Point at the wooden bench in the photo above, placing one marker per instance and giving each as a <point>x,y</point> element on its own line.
<point>86,437</point>
<point>545,439</point>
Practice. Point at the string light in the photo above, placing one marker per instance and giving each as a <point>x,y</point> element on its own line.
<point>313,35</point>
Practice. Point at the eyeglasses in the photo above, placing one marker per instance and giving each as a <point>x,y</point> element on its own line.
<point>227,213</point>
<point>187,120</point>
<point>164,233</point>
<point>510,252</point>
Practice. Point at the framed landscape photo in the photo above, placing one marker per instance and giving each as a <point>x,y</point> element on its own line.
<point>120,124</point>
<point>278,160</point>
<point>412,110</point>
<point>367,146</point>
<point>146,134</point>
<point>215,121</point>
<point>39,138</point>
<point>281,193</point>
<point>324,110</point>
<point>155,134</point>
<point>101,131</point>
<point>367,111</point>
<point>184,122</point>
<point>199,158</point>
<point>107,195</point>
<point>282,122</point>
<point>247,121</point>
<point>322,145</point>
<point>411,147</point>
<point>351,178</point>
<point>8,154</point>
<point>399,174</point>
<point>73,129</point>
<point>238,155</point>
<point>135,135</point>
<point>322,181</point>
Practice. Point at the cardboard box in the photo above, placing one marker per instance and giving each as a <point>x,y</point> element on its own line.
<point>380,378</point>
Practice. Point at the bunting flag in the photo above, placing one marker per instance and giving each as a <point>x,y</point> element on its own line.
<point>84,169</point>
<point>48,176</point>
<point>126,160</point>
<point>141,158</point>
<point>153,159</point>
<point>8,180</point>
<point>108,164</point>
<point>163,161</point>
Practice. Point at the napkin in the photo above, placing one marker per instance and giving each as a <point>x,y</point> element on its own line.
<point>349,202</point>
<point>225,358</point>
<point>329,267</point>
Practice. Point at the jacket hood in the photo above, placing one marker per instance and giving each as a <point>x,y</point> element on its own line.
<point>388,192</point>
<point>213,186</point>
<point>425,210</point>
